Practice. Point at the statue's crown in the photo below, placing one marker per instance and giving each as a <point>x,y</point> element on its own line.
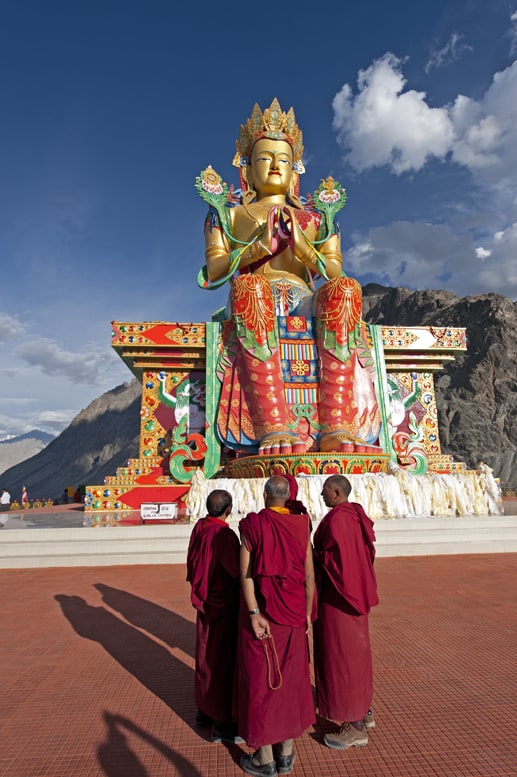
<point>274,124</point>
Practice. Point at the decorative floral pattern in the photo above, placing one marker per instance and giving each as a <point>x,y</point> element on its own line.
<point>300,367</point>
<point>253,305</point>
<point>211,181</point>
<point>329,198</point>
<point>329,193</point>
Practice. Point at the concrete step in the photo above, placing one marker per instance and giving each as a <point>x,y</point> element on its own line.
<point>442,536</point>
<point>168,543</point>
<point>86,547</point>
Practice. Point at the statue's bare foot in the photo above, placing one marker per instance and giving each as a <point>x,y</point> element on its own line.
<point>283,443</point>
<point>337,442</point>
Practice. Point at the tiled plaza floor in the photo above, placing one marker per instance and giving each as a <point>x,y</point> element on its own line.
<point>96,671</point>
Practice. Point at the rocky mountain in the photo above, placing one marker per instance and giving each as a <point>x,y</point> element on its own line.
<point>476,397</point>
<point>101,438</point>
<point>16,449</point>
<point>477,393</point>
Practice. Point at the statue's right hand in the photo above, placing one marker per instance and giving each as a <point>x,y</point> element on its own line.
<point>269,238</point>
<point>262,246</point>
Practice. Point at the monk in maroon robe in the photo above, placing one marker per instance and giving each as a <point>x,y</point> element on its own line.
<point>274,690</point>
<point>293,504</point>
<point>213,572</point>
<point>344,552</point>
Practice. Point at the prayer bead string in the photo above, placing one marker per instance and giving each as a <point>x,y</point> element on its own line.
<point>265,645</point>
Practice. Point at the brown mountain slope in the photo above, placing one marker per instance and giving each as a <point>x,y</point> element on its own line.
<point>101,438</point>
<point>17,449</point>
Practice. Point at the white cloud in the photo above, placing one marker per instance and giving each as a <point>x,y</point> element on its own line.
<point>49,421</point>
<point>409,254</point>
<point>12,426</point>
<point>90,368</point>
<point>53,421</point>
<point>386,125</point>
<point>10,327</point>
<point>513,33</point>
<point>501,271</point>
<point>429,256</point>
<point>482,253</point>
<point>17,401</point>
<point>479,135</point>
<point>451,52</point>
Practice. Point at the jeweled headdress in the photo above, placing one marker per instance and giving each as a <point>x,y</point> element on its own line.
<point>274,124</point>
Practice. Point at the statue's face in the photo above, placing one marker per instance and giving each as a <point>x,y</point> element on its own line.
<point>271,166</point>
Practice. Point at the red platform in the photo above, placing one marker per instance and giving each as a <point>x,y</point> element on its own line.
<point>96,676</point>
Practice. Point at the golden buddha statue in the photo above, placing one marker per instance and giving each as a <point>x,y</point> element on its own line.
<point>272,248</point>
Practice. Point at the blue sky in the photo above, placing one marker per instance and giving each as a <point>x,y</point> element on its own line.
<point>110,109</point>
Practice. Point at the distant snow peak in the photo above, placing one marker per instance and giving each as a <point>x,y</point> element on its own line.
<point>34,434</point>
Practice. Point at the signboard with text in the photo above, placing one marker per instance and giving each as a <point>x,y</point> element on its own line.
<point>158,511</point>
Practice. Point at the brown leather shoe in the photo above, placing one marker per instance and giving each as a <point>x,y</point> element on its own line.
<point>348,736</point>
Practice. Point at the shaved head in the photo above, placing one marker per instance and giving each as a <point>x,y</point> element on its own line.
<point>217,502</point>
<point>277,488</point>
<point>340,483</point>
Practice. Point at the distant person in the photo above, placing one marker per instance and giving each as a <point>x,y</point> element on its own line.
<point>344,553</point>
<point>65,496</point>
<point>274,699</point>
<point>5,500</point>
<point>213,572</point>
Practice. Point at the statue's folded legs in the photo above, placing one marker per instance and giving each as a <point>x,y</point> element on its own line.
<point>253,310</point>
<point>348,411</point>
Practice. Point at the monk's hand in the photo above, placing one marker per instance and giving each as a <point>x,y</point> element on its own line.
<point>260,626</point>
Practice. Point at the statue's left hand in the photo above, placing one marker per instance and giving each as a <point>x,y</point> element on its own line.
<point>298,242</point>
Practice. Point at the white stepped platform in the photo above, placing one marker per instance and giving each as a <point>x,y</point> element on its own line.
<point>88,547</point>
<point>444,536</point>
<point>167,543</point>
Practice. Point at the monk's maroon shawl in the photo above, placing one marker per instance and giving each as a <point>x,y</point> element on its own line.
<point>278,546</point>
<point>212,564</point>
<point>266,715</point>
<point>343,554</point>
<point>213,571</point>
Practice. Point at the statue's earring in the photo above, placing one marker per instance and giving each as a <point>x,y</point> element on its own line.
<point>249,194</point>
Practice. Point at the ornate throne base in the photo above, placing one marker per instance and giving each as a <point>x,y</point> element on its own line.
<point>307,464</point>
<point>175,363</point>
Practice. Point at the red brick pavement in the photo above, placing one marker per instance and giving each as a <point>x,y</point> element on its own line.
<point>96,675</point>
